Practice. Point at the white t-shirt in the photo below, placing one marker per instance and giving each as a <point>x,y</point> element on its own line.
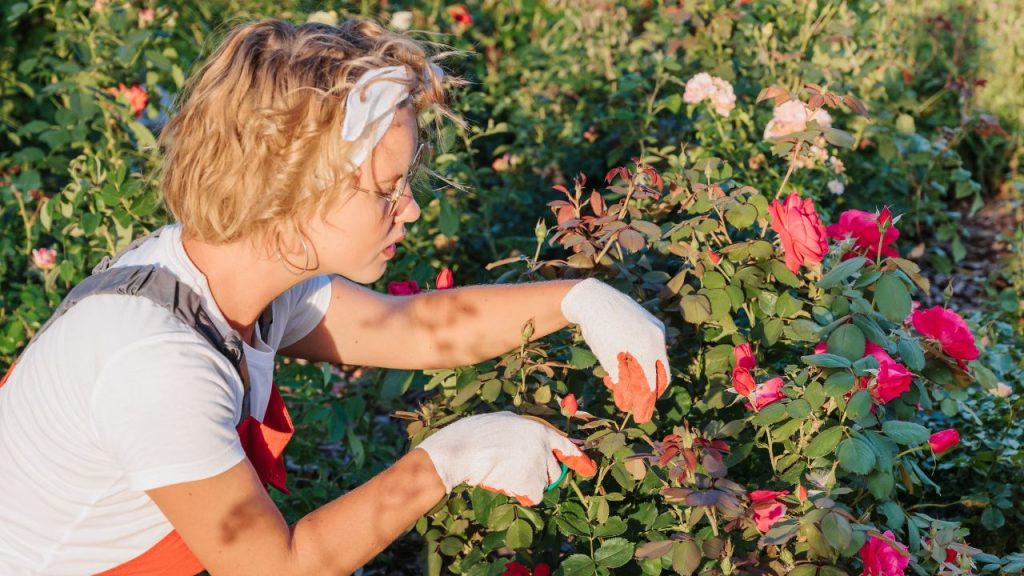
<point>117,397</point>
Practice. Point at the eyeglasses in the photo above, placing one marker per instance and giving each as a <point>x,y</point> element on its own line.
<point>396,194</point>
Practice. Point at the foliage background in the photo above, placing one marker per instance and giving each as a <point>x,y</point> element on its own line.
<point>562,88</point>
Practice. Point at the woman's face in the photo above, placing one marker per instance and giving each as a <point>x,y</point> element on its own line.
<point>356,237</point>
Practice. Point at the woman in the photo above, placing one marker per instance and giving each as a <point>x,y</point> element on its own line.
<point>140,427</point>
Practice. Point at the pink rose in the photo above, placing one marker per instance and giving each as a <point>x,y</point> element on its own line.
<point>744,356</point>
<point>44,258</point>
<point>698,88</point>
<point>893,378</point>
<point>944,440</point>
<point>866,230</point>
<point>800,230</point>
<point>403,288</point>
<point>792,116</point>
<point>881,559</point>
<point>767,510</point>
<point>445,279</point>
<point>146,16</point>
<point>767,393</point>
<point>949,329</point>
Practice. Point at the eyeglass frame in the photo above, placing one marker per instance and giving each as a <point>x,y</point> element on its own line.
<point>395,195</point>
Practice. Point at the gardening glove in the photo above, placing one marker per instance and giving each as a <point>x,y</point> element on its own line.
<point>514,455</point>
<point>628,341</point>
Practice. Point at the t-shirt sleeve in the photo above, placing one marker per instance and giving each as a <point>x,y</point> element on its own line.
<point>299,310</point>
<point>165,410</point>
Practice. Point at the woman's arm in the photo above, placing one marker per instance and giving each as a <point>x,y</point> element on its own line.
<point>233,527</point>
<point>439,329</point>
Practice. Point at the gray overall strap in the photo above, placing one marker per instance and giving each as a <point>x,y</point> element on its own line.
<point>165,290</point>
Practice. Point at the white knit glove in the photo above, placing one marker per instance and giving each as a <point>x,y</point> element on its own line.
<point>628,341</point>
<point>505,453</point>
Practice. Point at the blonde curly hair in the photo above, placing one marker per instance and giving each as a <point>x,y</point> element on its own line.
<point>255,146</point>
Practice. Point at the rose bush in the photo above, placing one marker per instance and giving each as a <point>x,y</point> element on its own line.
<point>835,412</point>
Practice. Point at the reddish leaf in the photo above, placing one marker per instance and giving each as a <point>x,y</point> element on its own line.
<point>596,203</point>
<point>774,92</point>
<point>631,240</point>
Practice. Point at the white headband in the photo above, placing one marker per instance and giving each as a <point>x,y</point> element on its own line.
<point>374,103</point>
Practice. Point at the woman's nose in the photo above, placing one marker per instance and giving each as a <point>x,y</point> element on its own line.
<point>408,209</point>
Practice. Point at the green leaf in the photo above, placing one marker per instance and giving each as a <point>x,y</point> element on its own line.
<point>859,405</point>
<point>449,220</point>
<point>783,274</point>
<point>787,306</point>
<point>837,530</point>
<point>837,137</point>
<point>451,546</point>
<point>520,534</point>
<point>905,433</point>
<point>578,565</point>
<point>501,517</point>
<point>855,456</point>
<point>912,354</point>
<point>772,330</point>
<point>848,341</point>
<point>741,215</point>
<point>839,383</point>
<point>396,383</point>
<point>143,137</point>
<point>686,557</point>
<point>893,298</point>
<point>696,308</point>
<point>872,331</point>
<point>581,358</point>
<point>827,361</point>
<point>798,408</point>
<point>880,484</point>
<point>614,552</point>
<point>770,414</point>
<point>824,443</point>
<point>803,330</point>
<point>815,395</point>
<point>842,271</point>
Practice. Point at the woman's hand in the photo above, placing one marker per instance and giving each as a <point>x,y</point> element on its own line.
<point>502,452</point>
<point>628,341</point>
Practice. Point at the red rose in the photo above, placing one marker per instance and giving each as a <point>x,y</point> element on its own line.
<point>403,288</point>
<point>767,510</point>
<point>944,440</point>
<point>517,569</point>
<point>949,329</point>
<point>881,559</point>
<point>136,96</point>
<point>570,404</point>
<point>445,279</point>
<point>743,381</point>
<point>893,378</point>
<point>866,230</point>
<point>714,257</point>
<point>460,14</point>
<point>800,230</point>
